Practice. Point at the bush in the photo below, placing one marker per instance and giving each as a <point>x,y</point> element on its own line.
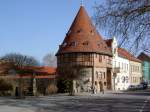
<point>5,87</point>
<point>51,89</point>
<point>63,85</point>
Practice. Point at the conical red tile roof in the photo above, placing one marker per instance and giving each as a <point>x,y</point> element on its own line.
<point>83,37</point>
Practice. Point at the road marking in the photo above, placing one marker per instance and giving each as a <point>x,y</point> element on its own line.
<point>147,99</point>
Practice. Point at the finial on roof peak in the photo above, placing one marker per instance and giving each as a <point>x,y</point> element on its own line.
<point>81,2</point>
<point>114,38</point>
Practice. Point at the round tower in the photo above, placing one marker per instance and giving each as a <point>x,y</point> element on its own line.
<point>85,48</point>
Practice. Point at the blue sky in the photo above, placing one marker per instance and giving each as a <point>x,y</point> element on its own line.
<point>36,27</point>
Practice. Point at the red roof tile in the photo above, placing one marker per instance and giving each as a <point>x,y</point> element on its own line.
<point>39,70</point>
<point>144,57</point>
<point>83,37</point>
<point>5,67</point>
<point>122,52</point>
<point>109,42</point>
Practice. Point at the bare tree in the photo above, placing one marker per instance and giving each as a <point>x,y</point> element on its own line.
<point>50,60</point>
<point>15,62</point>
<point>20,60</point>
<point>129,20</point>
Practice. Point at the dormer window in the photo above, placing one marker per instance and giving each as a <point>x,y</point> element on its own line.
<point>64,44</point>
<point>98,43</point>
<point>68,32</point>
<point>73,43</point>
<point>92,32</point>
<point>85,43</point>
<point>80,30</point>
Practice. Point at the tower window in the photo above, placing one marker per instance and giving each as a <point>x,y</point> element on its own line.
<point>73,43</point>
<point>64,44</point>
<point>78,31</point>
<point>92,32</point>
<point>85,43</point>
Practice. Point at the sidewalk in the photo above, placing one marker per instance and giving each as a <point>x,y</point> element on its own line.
<point>14,109</point>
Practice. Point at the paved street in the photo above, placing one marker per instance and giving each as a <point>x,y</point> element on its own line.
<point>80,103</point>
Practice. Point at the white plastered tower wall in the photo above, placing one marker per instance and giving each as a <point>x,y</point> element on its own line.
<point>120,79</point>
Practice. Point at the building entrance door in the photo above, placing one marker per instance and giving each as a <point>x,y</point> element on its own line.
<point>101,86</point>
<point>109,82</point>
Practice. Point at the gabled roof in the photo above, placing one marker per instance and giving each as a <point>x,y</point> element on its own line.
<point>144,57</point>
<point>83,37</point>
<point>123,52</point>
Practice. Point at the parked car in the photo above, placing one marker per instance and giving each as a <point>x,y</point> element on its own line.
<point>148,86</point>
<point>139,87</point>
<point>131,87</point>
<point>144,84</point>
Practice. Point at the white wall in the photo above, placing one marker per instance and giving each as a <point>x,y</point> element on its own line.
<point>122,78</point>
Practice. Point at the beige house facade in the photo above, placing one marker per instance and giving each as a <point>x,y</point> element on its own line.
<point>127,69</point>
<point>135,73</point>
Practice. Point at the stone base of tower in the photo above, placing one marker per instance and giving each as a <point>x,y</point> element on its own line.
<point>96,80</point>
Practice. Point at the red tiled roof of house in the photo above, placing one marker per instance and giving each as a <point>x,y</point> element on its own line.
<point>83,37</point>
<point>39,70</point>
<point>144,57</point>
<point>43,70</point>
<point>109,42</point>
<point>48,70</point>
<point>122,52</point>
<point>5,66</point>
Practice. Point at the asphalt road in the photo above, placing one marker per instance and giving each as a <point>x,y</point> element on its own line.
<point>80,103</point>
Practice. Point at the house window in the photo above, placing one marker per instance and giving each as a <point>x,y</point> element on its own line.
<point>124,66</point>
<point>100,58</point>
<point>115,64</point>
<point>97,73</point>
<point>119,64</point>
<point>101,75</point>
<point>104,57</point>
<point>118,80</point>
<point>104,83</point>
<point>95,83</point>
<point>127,79</point>
<point>104,75</point>
<point>96,55</point>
